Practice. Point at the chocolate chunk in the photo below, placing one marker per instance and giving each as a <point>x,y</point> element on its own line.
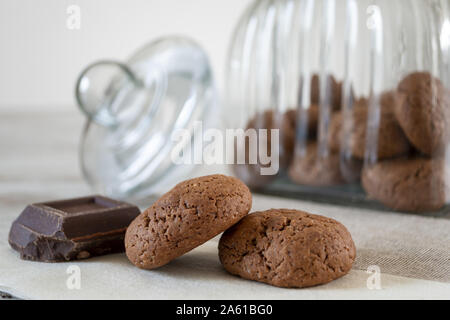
<point>71,229</point>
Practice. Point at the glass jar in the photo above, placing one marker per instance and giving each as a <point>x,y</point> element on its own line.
<point>359,91</point>
<point>134,109</point>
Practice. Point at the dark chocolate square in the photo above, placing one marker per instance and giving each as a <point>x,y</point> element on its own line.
<point>71,229</point>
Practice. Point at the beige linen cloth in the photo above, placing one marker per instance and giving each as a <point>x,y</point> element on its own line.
<point>412,252</point>
<point>400,245</point>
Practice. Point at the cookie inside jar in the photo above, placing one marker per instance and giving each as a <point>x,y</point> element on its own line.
<point>357,93</point>
<point>292,125</point>
<point>392,144</point>
<point>371,143</point>
<point>318,160</point>
<point>255,151</point>
<point>418,180</point>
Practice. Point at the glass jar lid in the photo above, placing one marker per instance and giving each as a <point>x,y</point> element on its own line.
<point>133,111</point>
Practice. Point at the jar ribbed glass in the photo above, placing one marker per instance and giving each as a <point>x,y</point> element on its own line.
<point>360,91</point>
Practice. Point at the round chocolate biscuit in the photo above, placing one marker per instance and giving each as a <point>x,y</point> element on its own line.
<point>333,91</point>
<point>251,172</point>
<point>270,120</point>
<point>415,185</point>
<point>287,248</point>
<point>193,212</point>
<point>312,121</point>
<point>391,142</point>
<point>388,100</point>
<point>423,112</point>
<point>312,170</point>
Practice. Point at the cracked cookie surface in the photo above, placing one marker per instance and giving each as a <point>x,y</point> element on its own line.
<point>190,214</point>
<point>287,248</point>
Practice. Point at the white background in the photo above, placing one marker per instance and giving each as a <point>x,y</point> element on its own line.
<point>40,58</point>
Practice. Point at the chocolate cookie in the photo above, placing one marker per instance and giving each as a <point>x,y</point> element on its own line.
<point>311,122</point>
<point>415,185</point>
<point>423,112</point>
<point>271,119</point>
<point>249,171</point>
<point>388,101</point>
<point>391,141</point>
<point>310,169</point>
<point>190,214</point>
<point>287,248</point>
<point>333,93</point>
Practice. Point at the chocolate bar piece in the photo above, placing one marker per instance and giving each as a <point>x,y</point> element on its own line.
<point>71,229</point>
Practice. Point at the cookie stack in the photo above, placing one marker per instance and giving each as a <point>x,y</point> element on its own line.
<point>417,181</point>
<point>285,248</point>
<point>288,126</point>
<point>396,150</point>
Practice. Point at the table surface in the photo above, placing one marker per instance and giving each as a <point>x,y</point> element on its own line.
<point>39,162</point>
